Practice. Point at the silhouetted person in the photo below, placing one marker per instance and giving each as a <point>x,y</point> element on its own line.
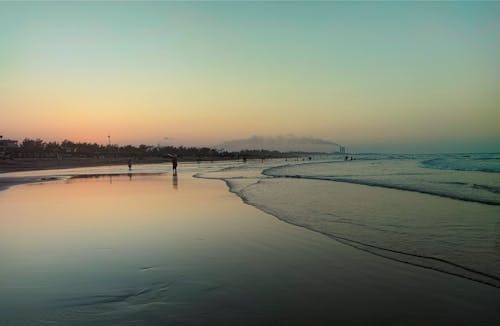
<point>129,164</point>
<point>346,158</point>
<point>174,163</point>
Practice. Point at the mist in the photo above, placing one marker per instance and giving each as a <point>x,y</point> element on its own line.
<point>287,143</point>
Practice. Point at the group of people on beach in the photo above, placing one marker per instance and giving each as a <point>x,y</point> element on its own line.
<point>172,156</point>
<point>174,162</point>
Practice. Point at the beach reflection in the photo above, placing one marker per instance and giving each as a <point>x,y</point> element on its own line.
<point>112,175</point>
<point>68,224</point>
<point>102,235</point>
<point>175,182</point>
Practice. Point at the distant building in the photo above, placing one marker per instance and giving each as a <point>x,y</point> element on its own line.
<point>7,147</point>
<point>8,144</point>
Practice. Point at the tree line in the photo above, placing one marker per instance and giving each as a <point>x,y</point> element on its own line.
<point>38,148</point>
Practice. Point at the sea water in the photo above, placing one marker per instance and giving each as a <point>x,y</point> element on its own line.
<point>437,212</point>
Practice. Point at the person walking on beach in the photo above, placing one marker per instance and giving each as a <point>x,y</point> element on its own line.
<point>129,164</point>
<point>174,162</point>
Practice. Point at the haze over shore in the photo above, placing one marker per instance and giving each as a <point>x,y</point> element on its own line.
<point>288,143</point>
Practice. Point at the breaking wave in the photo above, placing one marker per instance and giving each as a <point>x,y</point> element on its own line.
<point>475,163</point>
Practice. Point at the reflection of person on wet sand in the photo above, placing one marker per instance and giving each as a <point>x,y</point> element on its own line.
<point>174,181</point>
<point>174,162</point>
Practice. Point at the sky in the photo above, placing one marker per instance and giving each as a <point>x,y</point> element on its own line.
<point>373,76</point>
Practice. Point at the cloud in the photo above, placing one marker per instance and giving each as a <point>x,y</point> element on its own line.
<point>281,143</point>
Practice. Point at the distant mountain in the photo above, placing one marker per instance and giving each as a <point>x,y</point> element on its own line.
<point>281,143</point>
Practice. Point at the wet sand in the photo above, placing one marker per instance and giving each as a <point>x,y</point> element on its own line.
<point>39,170</point>
<point>45,164</point>
<point>27,164</point>
<point>155,249</point>
<point>51,173</point>
<point>6,182</point>
<point>21,171</point>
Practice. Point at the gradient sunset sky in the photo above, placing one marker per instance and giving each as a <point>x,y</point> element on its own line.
<point>391,76</point>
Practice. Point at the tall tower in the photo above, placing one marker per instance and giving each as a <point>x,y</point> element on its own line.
<point>109,140</point>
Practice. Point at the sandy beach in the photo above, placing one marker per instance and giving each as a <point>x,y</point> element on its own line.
<point>20,171</point>
<point>33,173</point>
<point>158,248</point>
<point>26,164</point>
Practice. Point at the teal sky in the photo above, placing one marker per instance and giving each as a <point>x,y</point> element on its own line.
<point>376,76</point>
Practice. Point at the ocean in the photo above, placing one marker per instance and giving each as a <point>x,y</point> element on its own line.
<point>436,211</point>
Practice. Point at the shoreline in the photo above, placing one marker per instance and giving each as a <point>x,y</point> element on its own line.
<point>34,164</point>
<point>6,183</point>
<point>30,165</point>
<point>419,260</point>
<point>20,165</point>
